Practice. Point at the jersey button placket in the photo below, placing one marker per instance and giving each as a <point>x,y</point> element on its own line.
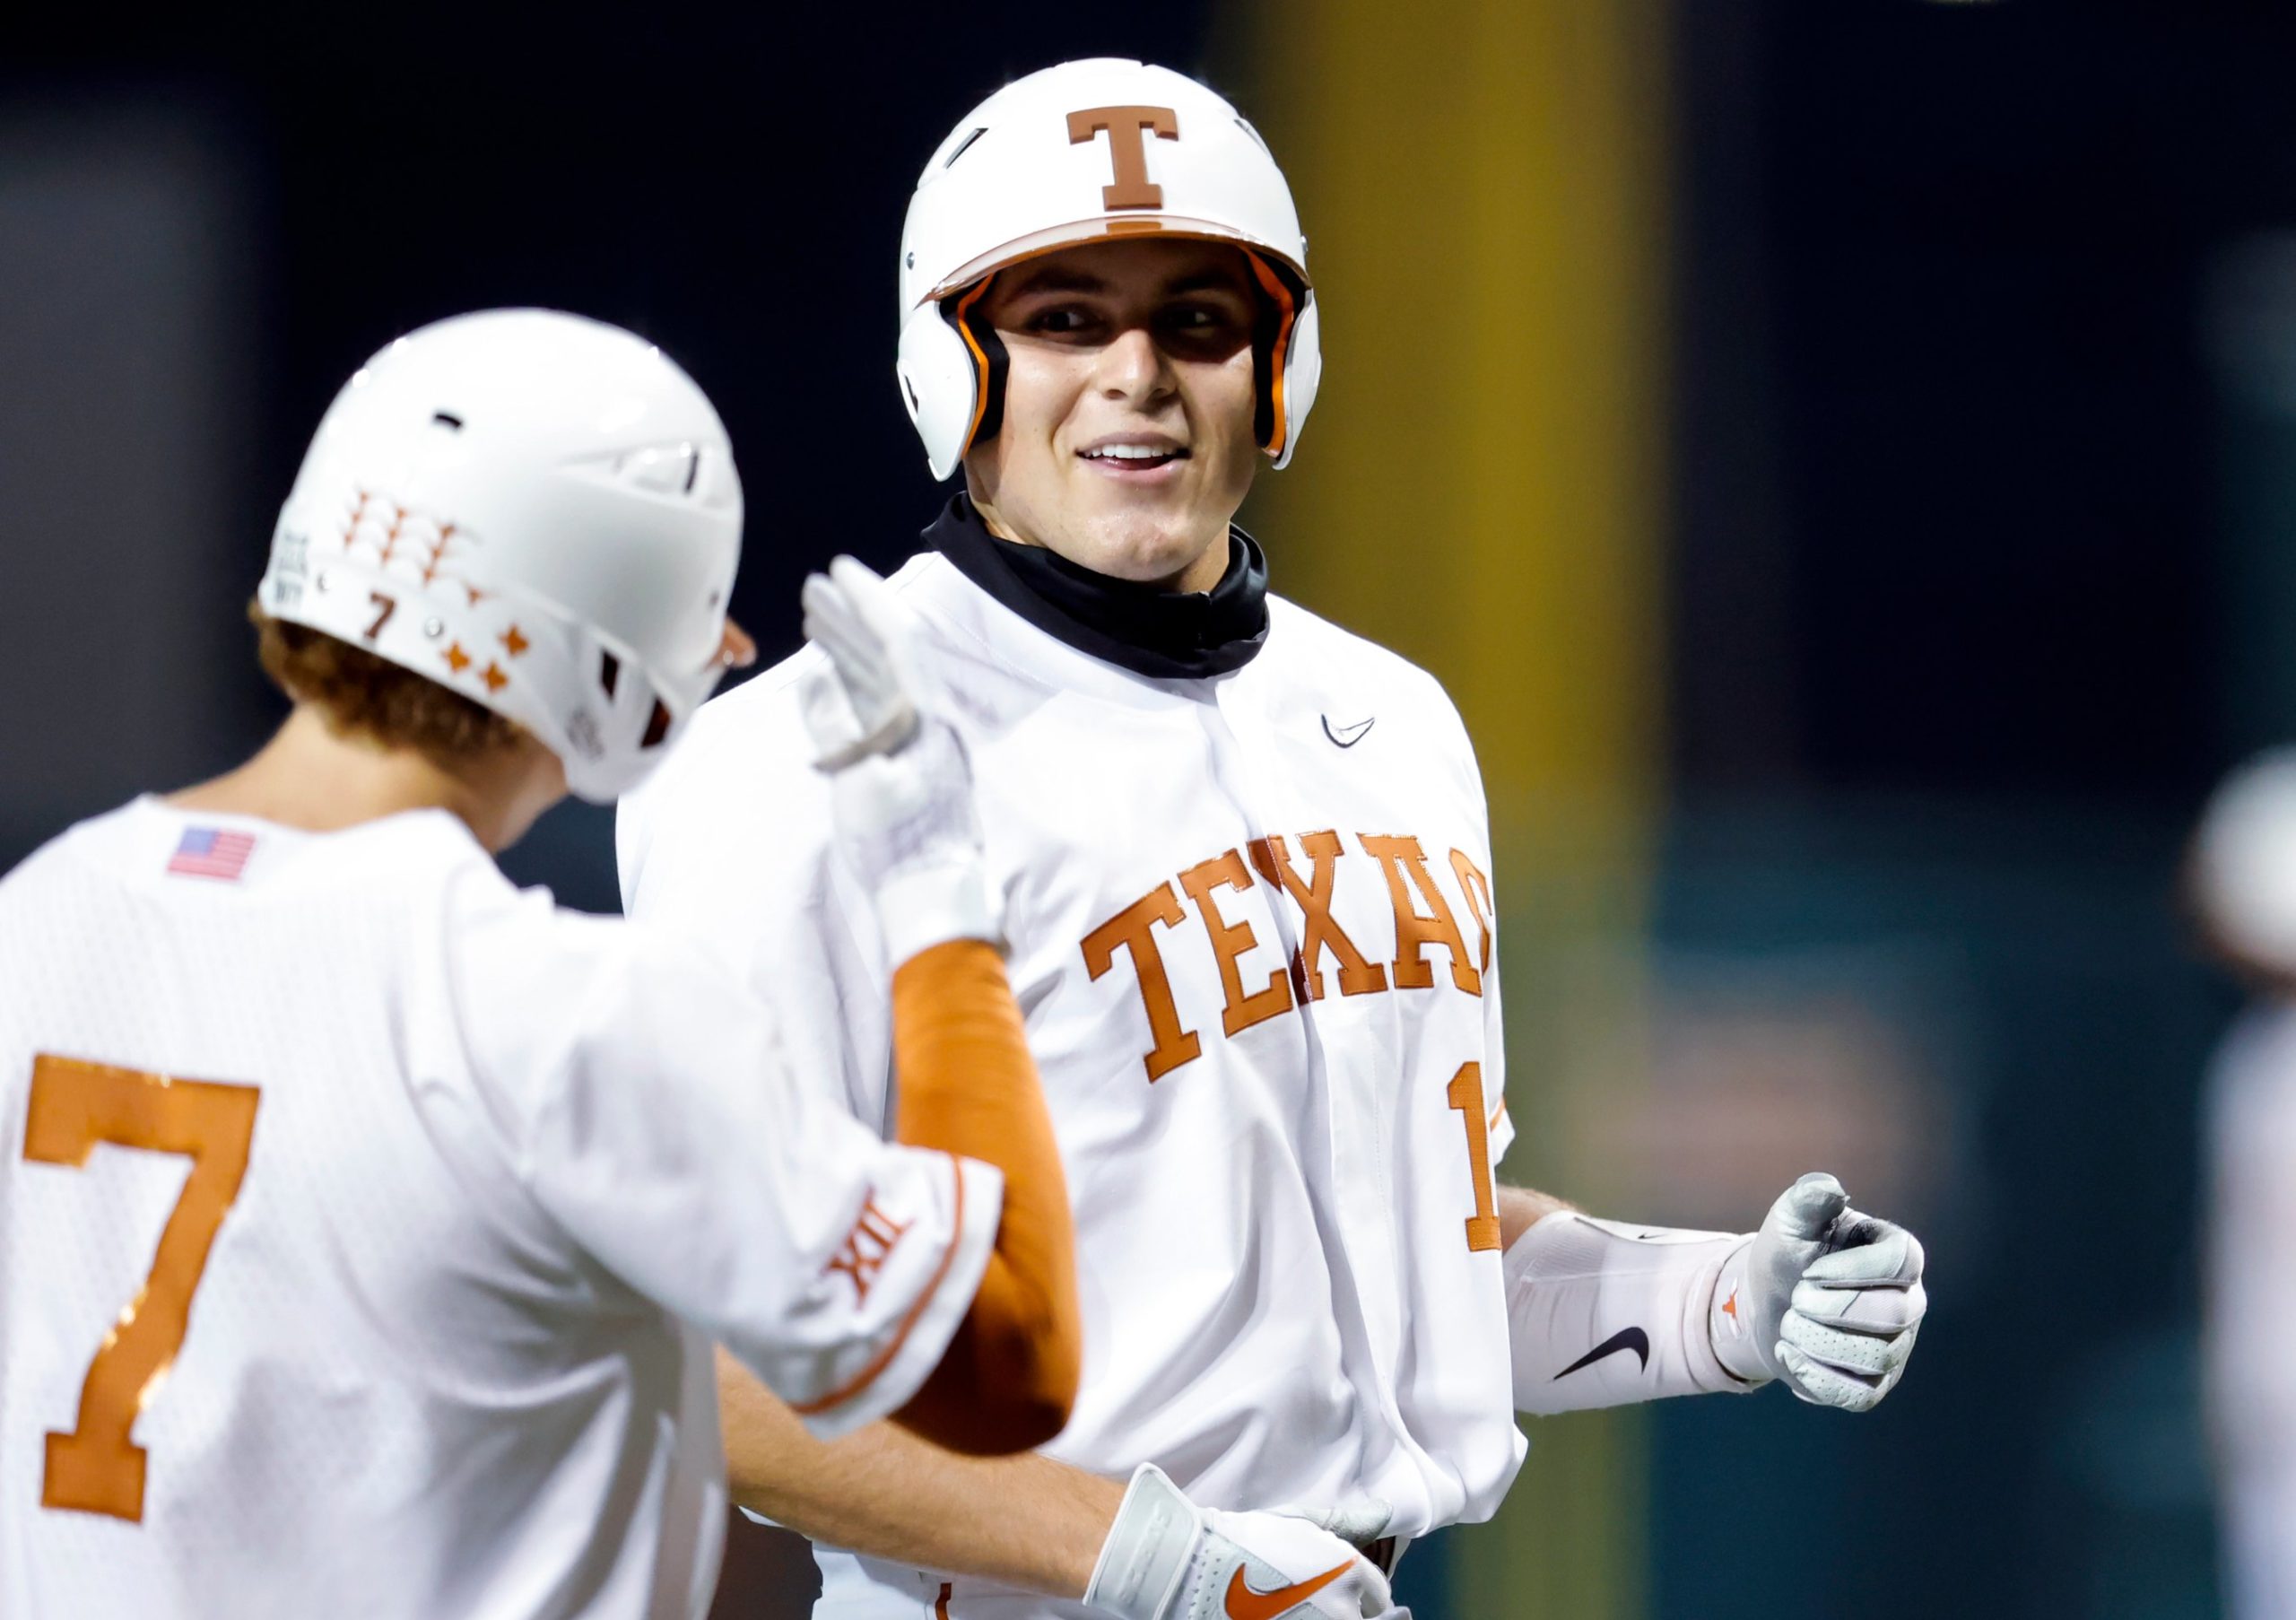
<point>1353,1202</point>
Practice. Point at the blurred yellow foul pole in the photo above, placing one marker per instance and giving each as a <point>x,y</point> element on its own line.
<point>1482,487</point>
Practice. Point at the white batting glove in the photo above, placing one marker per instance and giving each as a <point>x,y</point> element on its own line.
<point>902,792</point>
<point>1360,1520</point>
<point>1824,1297</point>
<point>1167,1559</point>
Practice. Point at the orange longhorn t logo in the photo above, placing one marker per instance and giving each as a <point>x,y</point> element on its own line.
<point>1127,149</point>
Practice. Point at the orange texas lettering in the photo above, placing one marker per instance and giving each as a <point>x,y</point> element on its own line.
<point>1421,916</point>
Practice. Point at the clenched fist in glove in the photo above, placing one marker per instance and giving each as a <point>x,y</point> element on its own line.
<point>902,792</point>
<point>1167,1559</point>
<point>1823,1297</point>
<point>1601,1313</point>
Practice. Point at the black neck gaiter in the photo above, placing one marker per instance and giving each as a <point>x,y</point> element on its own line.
<point>1142,628</point>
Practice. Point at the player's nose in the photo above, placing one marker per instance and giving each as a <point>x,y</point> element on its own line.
<point>1131,366</point>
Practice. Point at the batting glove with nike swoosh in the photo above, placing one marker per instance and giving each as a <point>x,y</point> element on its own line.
<point>902,791</point>
<point>1167,1559</point>
<point>1824,1298</point>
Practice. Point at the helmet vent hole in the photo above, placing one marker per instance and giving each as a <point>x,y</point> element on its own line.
<point>964,147</point>
<point>657,725</point>
<point>609,672</point>
<point>661,469</point>
<point>446,419</point>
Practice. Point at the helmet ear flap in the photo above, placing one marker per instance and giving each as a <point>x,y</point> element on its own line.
<point>951,369</point>
<point>1287,357</point>
<point>941,383</point>
<point>1280,297</point>
<point>967,311</point>
<point>1303,370</point>
<point>625,715</point>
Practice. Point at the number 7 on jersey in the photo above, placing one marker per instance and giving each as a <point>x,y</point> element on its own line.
<point>96,1467</point>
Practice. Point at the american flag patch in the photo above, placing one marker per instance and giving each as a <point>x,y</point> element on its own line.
<point>210,852</point>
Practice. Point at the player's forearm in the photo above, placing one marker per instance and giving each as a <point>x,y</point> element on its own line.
<point>1025,1522</point>
<point>1594,1320</point>
<point>1602,1315</point>
<point>967,1086</point>
<point>1589,1323</point>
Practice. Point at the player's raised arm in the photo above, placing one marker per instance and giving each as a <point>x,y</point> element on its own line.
<point>650,1108</point>
<point>659,1123</point>
<point>967,1085</point>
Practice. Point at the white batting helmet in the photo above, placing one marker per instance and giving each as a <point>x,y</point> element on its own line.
<point>1080,152</point>
<point>538,512</point>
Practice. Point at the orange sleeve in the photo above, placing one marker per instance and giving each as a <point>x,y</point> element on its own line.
<point>967,1086</point>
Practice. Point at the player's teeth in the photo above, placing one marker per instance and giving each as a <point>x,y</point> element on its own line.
<point>1127,452</point>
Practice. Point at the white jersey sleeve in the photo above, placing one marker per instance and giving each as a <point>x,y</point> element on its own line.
<point>2251,1309</point>
<point>646,1105</point>
<point>1483,910</point>
<point>727,844</point>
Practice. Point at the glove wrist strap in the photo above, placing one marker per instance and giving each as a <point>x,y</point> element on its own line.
<point>1730,1321</point>
<point>1146,1554</point>
<point>1603,1314</point>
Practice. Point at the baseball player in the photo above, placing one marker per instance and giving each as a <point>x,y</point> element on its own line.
<point>1246,870</point>
<point>2244,889</point>
<point>364,1224</point>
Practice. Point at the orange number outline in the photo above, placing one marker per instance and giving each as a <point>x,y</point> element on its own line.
<point>1466,1093</point>
<point>96,1467</point>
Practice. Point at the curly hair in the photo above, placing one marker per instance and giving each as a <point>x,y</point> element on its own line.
<point>360,695</point>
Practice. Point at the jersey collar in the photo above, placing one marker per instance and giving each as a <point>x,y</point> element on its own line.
<point>1163,634</point>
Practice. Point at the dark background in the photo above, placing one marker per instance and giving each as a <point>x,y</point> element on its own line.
<point>1977,585</point>
<point>727,183</point>
<point>1974,569</point>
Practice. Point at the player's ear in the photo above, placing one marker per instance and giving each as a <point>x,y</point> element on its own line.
<point>736,649</point>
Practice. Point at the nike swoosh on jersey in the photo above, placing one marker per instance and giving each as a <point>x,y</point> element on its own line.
<point>1347,736</point>
<point>1245,1604</point>
<point>1625,1338</point>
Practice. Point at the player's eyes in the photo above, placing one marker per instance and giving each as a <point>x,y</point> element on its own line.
<point>1203,320</point>
<point>1193,323</point>
<point>1060,321</point>
<point>1205,331</point>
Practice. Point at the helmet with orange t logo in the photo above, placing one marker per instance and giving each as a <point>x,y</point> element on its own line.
<point>1086,151</point>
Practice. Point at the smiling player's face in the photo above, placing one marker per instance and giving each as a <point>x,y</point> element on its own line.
<point>1127,441</point>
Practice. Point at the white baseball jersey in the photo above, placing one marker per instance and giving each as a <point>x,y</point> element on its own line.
<point>353,1206</point>
<point>2251,1144</point>
<point>1251,934</point>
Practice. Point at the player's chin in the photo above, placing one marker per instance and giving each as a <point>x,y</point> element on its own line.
<point>1143,547</point>
<point>1150,532</point>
